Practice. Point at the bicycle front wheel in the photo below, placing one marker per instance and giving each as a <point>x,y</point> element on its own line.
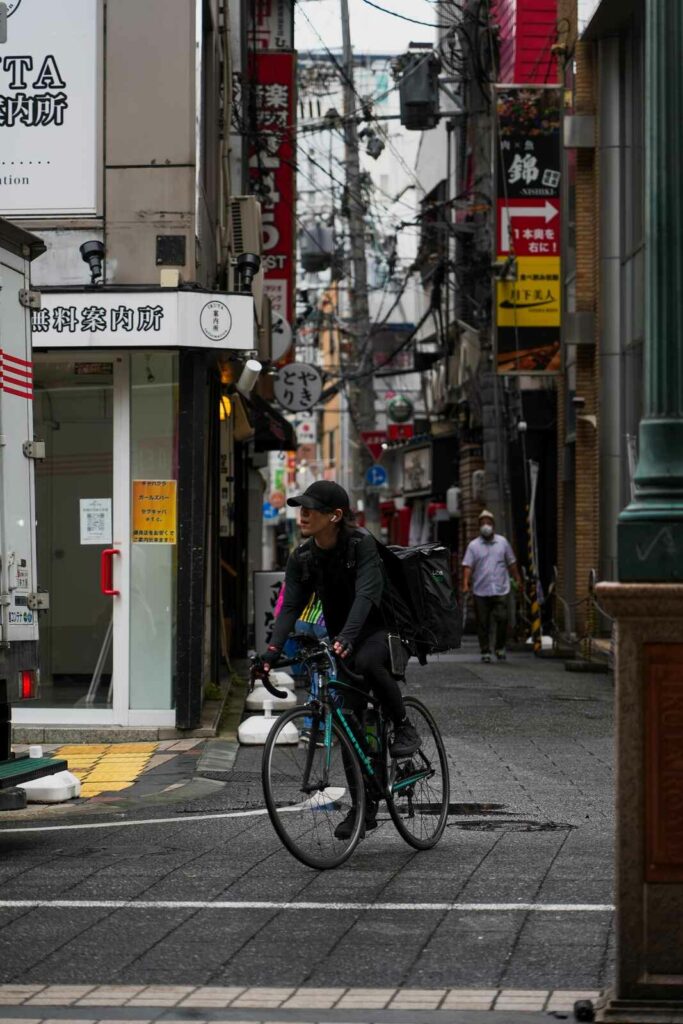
<point>419,785</point>
<point>311,789</point>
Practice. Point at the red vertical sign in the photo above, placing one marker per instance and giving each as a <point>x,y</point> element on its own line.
<point>271,170</point>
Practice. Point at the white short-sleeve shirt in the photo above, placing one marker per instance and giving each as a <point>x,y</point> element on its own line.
<point>489,561</point>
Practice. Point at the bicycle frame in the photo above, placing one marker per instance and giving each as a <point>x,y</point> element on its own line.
<point>324,708</point>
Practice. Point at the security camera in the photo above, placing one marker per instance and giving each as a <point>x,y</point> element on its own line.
<point>248,265</point>
<point>92,253</point>
<point>578,401</point>
<point>248,376</point>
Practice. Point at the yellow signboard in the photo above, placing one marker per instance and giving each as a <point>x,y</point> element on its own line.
<point>533,299</point>
<point>154,511</point>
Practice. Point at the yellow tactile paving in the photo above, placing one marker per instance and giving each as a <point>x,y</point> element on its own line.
<point>107,767</point>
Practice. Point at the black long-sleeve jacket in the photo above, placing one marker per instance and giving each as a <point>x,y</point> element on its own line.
<point>350,588</point>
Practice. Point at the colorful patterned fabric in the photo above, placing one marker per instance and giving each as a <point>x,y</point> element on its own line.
<point>313,612</point>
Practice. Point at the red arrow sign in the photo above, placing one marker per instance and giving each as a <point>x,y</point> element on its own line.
<point>373,441</point>
<point>529,226</point>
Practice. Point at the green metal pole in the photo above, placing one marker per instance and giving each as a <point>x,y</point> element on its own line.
<point>650,529</point>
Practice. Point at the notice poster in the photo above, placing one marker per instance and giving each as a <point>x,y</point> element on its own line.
<point>95,520</point>
<point>528,223</point>
<point>154,511</point>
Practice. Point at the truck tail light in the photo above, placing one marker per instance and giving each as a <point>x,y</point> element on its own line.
<point>28,684</point>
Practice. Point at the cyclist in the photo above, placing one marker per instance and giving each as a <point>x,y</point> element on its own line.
<point>351,597</point>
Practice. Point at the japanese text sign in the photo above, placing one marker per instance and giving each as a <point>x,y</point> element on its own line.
<point>271,24</point>
<point>165,319</point>
<point>529,227</point>
<point>528,181</point>
<point>532,299</point>
<point>50,108</point>
<point>267,587</point>
<point>154,512</point>
<point>271,172</point>
<point>298,386</point>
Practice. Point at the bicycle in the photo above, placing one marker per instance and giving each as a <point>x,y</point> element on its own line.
<point>319,764</point>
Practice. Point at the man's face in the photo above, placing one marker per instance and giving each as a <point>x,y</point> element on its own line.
<point>312,521</point>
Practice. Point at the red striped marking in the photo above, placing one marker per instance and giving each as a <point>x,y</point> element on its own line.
<point>16,376</point>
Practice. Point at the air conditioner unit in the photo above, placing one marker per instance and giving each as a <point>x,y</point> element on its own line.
<point>246,235</point>
<point>245,225</point>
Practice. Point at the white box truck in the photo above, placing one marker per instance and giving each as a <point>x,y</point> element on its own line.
<point>20,598</point>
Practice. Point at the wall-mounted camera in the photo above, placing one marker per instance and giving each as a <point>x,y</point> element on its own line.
<point>92,253</point>
<point>247,266</point>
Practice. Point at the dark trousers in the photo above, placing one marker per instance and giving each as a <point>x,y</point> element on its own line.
<point>372,661</point>
<point>491,611</point>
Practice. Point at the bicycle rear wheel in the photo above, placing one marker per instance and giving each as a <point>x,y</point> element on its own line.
<point>310,788</point>
<point>419,785</point>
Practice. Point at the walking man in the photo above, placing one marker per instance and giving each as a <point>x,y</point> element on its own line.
<point>487,566</point>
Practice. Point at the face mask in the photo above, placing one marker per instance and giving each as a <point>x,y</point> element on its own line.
<point>486,531</point>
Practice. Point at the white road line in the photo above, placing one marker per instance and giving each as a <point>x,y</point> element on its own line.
<point>468,908</point>
<point>138,821</point>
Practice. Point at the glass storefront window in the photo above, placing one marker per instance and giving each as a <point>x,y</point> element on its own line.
<point>153,561</point>
<point>73,414</point>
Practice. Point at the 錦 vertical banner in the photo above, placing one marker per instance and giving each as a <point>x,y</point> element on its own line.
<point>50,99</point>
<point>528,181</point>
<point>271,170</point>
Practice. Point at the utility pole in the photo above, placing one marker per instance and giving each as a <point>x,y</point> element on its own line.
<point>361,392</point>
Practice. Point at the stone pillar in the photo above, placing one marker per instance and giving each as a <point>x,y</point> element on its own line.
<point>649,608</point>
<point>649,800</point>
<point>650,533</point>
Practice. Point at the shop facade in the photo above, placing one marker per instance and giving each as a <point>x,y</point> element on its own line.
<point>126,399</point>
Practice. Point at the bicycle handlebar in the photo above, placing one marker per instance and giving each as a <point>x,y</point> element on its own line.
<point>322,649</point>
<point>271,689</point>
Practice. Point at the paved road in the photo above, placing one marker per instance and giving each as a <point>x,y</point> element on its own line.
<point>516,896</point>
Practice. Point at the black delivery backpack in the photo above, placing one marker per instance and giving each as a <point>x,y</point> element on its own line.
<point>419,601</point>
<point>422,575</point>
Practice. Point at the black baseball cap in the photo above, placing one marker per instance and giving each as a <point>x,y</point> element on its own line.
<point>324,495</point>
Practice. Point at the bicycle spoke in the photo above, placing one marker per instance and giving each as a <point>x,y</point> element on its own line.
<point>309,790</point>
<point>419,807</point>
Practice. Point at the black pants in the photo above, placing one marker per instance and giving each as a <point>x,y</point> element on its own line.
<point>491,610</point>
<point>371,660</point>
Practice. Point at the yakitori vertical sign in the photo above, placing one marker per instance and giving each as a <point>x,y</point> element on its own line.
<point>49,108</point>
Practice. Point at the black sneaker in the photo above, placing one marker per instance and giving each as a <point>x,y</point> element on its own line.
<point>501,655</point>
<point>406,740</point>
<point>345,827</point>
<point>486,658</point>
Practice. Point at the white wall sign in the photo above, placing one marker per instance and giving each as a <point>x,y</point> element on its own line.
<point>159,319</point>
<point>95,520</point>
<point>298,386</point>
<point>49,108</point>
